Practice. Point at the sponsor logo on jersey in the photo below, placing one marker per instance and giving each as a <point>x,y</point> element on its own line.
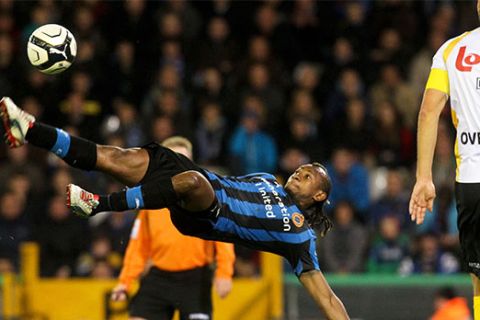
<point>271,197</point>
<point>470,137</point>
<point>298,219</point>
<point>465,62</point>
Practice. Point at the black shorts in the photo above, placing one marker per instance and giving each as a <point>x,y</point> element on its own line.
<point>468,207</point>
<point>165,163</point>
<point>163,292</point>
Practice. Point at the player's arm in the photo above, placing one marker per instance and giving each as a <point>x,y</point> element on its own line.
<point>318,288</point>
<point>424,191</point>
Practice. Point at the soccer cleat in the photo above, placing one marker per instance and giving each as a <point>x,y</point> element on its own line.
<point>15,122</point>
<point>81,201</point>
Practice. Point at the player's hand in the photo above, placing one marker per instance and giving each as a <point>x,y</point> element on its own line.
<point>422,200</point>
<point>119,293</point>
<point>222,286</point>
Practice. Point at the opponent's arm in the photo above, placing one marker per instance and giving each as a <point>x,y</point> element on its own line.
<point>424,191</point>
<point>318,288</point>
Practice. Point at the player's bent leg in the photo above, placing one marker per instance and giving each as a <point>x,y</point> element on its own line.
<point>190,189</point>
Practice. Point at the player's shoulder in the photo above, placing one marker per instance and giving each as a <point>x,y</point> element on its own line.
<point>466,36</point>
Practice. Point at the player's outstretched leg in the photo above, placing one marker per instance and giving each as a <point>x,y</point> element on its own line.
<point>126,165</point>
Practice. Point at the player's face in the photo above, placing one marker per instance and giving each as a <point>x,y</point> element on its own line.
<point>305,185</point>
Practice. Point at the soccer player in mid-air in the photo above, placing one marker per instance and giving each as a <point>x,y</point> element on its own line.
<point>252,210</point>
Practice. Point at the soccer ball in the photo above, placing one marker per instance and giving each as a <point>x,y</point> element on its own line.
<point>51,48</point>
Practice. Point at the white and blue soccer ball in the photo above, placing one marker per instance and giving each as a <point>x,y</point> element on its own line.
<point>51,48</point>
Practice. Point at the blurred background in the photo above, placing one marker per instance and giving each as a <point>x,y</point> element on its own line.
<point>256,86</point>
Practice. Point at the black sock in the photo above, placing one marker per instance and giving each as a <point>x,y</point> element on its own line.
<point>156,194</point>
<point>116,201</point>
<point>42,135</point>
<point>75,151</point>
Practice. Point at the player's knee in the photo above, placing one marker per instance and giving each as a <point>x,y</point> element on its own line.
<point>196,181</point>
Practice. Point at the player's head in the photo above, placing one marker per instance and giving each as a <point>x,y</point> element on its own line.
<point>310,186</point>
<point>179,145</point>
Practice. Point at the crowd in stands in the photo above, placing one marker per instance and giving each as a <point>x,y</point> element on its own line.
<point>256,86</point>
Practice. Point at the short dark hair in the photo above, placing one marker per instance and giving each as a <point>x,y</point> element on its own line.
<point>446,293</point>
<point>326,183</point>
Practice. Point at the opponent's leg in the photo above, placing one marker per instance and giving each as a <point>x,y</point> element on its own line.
<point>189,189</point>
<point>126,165</point>
<point>476,296</point>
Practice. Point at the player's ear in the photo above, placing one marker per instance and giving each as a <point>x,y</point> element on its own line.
<point>320,196</point>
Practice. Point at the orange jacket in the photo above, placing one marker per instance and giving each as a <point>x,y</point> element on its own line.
<point>155,238</point>
<point>453,309</point>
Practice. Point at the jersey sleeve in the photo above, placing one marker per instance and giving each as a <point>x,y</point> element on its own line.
<point>307,259</point>
<point>438,78</point>
<point>137,252</point>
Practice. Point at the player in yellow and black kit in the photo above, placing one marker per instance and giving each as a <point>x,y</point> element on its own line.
<point>455,73</point>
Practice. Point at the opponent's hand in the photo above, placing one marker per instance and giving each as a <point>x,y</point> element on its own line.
<point>222,286</point>
<point>422,199</point>
<point>119,293</point>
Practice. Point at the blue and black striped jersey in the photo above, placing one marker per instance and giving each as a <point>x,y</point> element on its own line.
<point>256,211</point>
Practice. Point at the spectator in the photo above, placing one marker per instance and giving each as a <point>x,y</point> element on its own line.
<point>344,246</point>
<point>210,87</point>
<point>18,160</point>
<point>348,86</point>
<point>116,227</point>
<point>14,228</point>
<point>355,130</point>
<point>393,203</point>
<point>259,83</point>
<point>389,49</point>
<point>251,149</point>
<point>100,261</point>
<point>429,258</point>
<point>420,65</point>
<point>62,238</point>
<point>211,135</point>
<point>217,50</point>
<point>125,69</point>
<point>162,128</point>
<point>350,179</point>
<point>129,124</point>
<point>389,247</point>
<point>303,135</point>
<point>393,143</point>
<point>392,87</point>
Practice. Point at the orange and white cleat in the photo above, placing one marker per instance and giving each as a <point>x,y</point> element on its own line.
<point>81,201</point>
<point>15,122</point>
